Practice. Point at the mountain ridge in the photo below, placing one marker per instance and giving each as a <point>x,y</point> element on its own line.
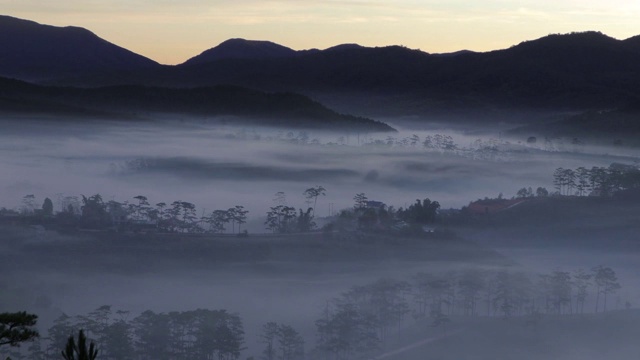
<point>238,48</point>
<point>137,102</point>
<point>559,72</point>
<point>36,52</point>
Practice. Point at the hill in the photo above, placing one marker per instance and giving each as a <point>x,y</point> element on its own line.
<point>556,73</point>
<point>242,49</point>
<point>284,109</point>
<point>620,125</point>
<point>586,222</point>
<point>35,52</point>
<point>573,71</point>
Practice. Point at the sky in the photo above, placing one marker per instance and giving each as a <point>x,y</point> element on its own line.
<point>172,31</point>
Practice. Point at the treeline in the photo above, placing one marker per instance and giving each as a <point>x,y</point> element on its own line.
<point>140,215</point>
<point>358,321</point>
<point>198,334</point>
<point>597,181</point>
<point>602,181</point>
<point>353,325</point>
<point>188,335</point>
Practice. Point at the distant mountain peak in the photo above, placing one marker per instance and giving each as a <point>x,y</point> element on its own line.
<point>238,48</point>
<point>342,47</point>
<point>36,52</point>
<point>587,39</point>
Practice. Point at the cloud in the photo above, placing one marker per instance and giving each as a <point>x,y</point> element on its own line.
<point>197,169</point>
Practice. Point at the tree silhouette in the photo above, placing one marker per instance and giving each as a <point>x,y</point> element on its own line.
<point>360,201</point>
<point>47,207</point>
<point>312,194</point>
<point>79,350</point>
<point>16,328</point>
<point>606,283</point>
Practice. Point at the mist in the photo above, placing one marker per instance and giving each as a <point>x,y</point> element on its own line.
<point>297,279</point>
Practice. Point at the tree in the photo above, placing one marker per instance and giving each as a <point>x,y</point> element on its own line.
<point>16,328</point>
<point>471,283</point>
<point>361,201</point>
<point>606,282</point>
<point>281,342</point>
<point>421,213</point>
<point>239,215</point>
<point>305,221</point>
<point>560,290</point>
<point>268,338</point>
<point>280,219</point>
<point>140,209</point>
<point>94,212</point>
<point>525,193</point>
<point>582,180</point>
<point>347,333</point>
<point>47,207</point>
<point>28,204</point>
<point>217,220</point>
<point>291,343</point>
<point>581,282</point>
<point>152,333</point>
<point>79,350</point>
<point>542,192</point>
<point>58,334</point>
<point>117,341</point>
<point>312,194</point>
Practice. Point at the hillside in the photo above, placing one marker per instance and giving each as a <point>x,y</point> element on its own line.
<point>35,52</point>
<point>242,49</point>
<point>587,222</point>
<point>573,71</point>
<point>270,109</point>
<point>591,336</point>
<point>556,73</point>
<point>621,123</point>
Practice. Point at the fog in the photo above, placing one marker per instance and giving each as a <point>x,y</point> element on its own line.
<point>214,166</point>
<point>296,279</point>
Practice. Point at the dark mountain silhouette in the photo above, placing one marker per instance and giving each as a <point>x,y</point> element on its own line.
<point>238,105</point>
<point>34,52</point>
<point>622,123</point>
<point>242,49</point>
<point>557,72</point>
<point>570,72</point>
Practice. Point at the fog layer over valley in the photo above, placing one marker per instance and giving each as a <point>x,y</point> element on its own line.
<point>219,167</point>
<point>499,281</point>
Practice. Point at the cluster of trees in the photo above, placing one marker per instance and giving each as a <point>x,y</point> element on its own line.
<point>375,215</point>
<point>179,216</point>
<point>198,334</point>
<point>437,142</point>
<point>282,218</point>
<point>93,212</point>
<point>281,342</point>
<point>352,325</point>
<point>194,335</point>
<point>597,180</point>
<point>528,192</point>
<point>361,318</point>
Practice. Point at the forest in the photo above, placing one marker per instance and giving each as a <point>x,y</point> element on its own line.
<point>360,322</point>
<point>355,324</point>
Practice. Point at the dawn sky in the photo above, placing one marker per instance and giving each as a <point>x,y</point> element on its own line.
<point>171,31</point>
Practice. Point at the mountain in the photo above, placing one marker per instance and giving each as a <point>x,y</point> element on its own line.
<point>235,104</point>
<point>35,52</point>
<point>556,73</point>
<point>605,125</point>
<point>242,49</point>
<point>575,71</point>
